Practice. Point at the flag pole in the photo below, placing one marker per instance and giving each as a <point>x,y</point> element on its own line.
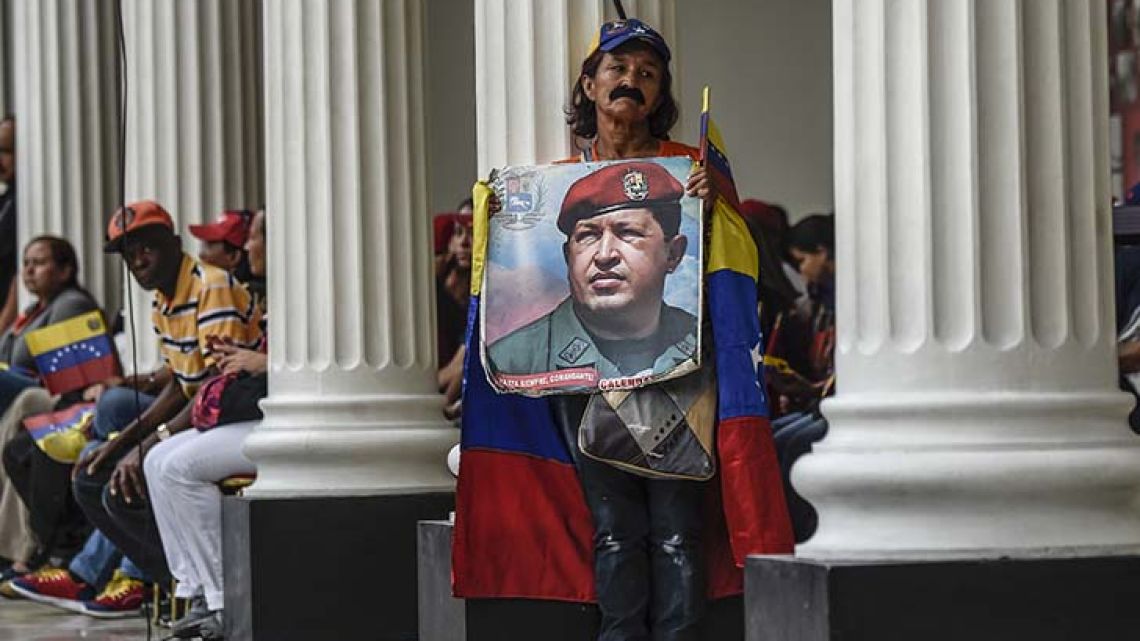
<point>620,9</point>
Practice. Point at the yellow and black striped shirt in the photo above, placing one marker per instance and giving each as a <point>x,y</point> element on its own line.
<point>208,301</point>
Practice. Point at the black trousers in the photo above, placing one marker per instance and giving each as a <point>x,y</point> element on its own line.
<point>44,486</point>
<point>649,569</point>
<point>130,526</point>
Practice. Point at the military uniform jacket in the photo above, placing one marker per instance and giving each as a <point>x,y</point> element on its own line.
<point>559,341</point>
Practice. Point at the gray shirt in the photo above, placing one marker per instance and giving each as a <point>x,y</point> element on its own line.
<point>67,304</point>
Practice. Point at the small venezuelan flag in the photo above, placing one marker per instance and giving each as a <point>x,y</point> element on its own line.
<point>63,434</point>
<point>715,157</point>
<point>74,353</point>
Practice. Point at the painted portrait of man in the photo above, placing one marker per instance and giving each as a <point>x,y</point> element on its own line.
<point>621,242</point>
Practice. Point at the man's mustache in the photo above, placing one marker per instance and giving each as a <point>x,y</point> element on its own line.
<point>628,92</point>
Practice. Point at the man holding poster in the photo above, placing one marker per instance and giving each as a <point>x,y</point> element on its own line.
<point>577,497</point>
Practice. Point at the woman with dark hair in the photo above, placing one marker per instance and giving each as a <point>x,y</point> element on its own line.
<point>50,273</point>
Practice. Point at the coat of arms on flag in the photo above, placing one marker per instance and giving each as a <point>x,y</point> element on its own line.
<point>73,354</point>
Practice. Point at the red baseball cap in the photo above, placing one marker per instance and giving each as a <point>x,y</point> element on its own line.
<point>139,214</point>
<point>629,185</point>
<point>232,227</point>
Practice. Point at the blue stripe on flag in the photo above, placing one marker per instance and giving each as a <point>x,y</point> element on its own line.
<point>73,354</point>
<point>504,422</point>
<point>739,349</point>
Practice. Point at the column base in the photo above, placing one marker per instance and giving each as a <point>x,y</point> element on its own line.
<point>1040,599</point>
<point>324,567</point>
<point>445,618</point>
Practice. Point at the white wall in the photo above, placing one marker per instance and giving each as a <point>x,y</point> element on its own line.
<point>450,97</point>
<point>768,63</point>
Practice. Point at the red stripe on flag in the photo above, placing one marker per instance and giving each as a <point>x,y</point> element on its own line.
<point>522,529</point>
<point>82,375</point>
<point>754,507</point>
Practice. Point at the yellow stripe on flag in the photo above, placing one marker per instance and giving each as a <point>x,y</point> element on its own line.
<point>714,137</point>
<point>70,331</point>
<point>480,217</point>
<point>731,246</point>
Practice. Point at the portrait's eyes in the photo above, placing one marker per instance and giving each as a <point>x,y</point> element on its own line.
<point>586,235</point>
<point>631,233</point>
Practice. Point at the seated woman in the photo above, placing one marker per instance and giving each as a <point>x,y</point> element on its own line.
<point>51,274</point>
<point>806,341</point>
<point>182,472</point>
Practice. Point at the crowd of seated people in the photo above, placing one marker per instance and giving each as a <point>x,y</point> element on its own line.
<point>93,512</point>
<point>797,315</point>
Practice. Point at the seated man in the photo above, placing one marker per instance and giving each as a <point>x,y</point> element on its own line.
<point>195,305</point>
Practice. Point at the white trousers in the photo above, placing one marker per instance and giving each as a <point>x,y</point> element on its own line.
<point>181,475</point>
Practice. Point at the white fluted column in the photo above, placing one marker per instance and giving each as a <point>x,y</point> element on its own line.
<point>528,54</point>
<point>977,412</point>
<point>66,88</point>
<point>194,123</point>
<point>352,407</point>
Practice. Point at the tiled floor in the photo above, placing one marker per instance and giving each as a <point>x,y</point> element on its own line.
<point>26,621</point>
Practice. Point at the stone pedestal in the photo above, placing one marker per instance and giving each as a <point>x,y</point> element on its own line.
<point>996,600</point>
<point>324,567</point>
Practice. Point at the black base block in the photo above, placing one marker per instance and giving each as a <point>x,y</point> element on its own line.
<point>324,567</point>
<point>445,618</point>
<point>789,599</point>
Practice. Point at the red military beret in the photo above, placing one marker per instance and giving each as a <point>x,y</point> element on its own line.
<point>628,185</point>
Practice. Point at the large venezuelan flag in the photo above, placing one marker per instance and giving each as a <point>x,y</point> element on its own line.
<point>74,353</point>
<point>522,528</point>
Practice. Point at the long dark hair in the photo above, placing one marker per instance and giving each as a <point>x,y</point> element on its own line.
<point>582,116</point>
<point>812,233</point>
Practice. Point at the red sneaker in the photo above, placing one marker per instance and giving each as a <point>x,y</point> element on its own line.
<point>121,598</point>
<point>53,586</point>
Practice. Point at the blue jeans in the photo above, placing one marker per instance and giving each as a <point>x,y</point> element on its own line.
<point>11,384</point>
<point>99,557</point>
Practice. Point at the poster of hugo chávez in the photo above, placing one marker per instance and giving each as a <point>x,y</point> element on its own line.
<point>593,277</point>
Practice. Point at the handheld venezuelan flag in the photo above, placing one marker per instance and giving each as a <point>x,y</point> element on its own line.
<point>63,434</point>
<point>715,158</point>
<point>74,353</point>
